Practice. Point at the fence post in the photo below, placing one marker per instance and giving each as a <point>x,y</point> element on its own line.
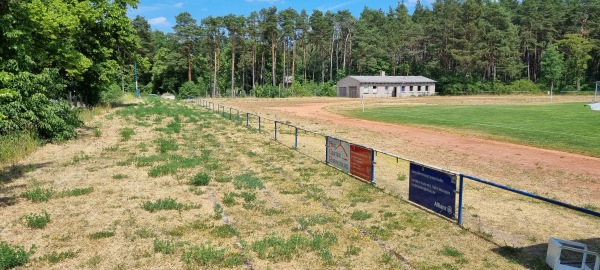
<point>326,152</point>
<point>373,153</point>
<point>229,113</point>
<point>460,200</point>
<point>296,138</point>
<point>275,130</point>
<point>259,130</point>
<point>247,116</point>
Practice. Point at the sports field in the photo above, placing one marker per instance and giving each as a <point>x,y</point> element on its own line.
<point>567,127</point>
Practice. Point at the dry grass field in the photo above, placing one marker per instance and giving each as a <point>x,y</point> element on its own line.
<point>160,185</point>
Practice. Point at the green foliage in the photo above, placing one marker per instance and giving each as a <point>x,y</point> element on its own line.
<point>112,96</point>
<point>38,194</point>
<point>162,204</point>
<point>200,179</point>
<point>165,145</point>
<point>56,257</point>
<point>277,249</point>
<point>126,133</point>
<point>12,255</point>
<point>189,90</point>
<point>164,246</point>
<point>313,220</point>
<point>209,255</point>
<point>75,192</point>
<point>224,231</point>
<point>451,252</point>
<point>360,215</point>
<point>15,146</point>
<point>102,234</point>
<point>37,221</point>
<point>248,181</point>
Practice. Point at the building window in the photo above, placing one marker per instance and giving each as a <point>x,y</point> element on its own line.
<point>387,89</point>
<point>374,89</point>
<point>426,88</point>
<point>366,90</point>
<point>410,88</point>
<point>419,88</point>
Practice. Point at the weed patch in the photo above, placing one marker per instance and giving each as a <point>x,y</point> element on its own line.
<point>13,255</point>
<point>209,255</point>
<point>56,257</point>
<point>37,221</point>
<point>162,204</point>
<point>166,145</point>
<point>200,179</point>
<point>360,215</point>
<point>164,246</point>
<point>38,194</point>
<point>309,221</point>
<point>102,234</point>
<point>126,134</point>
<point>224,231</point>
<point>247,181</point>
<point>75,192</point>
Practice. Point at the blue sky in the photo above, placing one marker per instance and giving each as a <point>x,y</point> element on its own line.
<point>161,13</point>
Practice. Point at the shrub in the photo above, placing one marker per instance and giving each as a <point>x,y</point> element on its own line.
<point>27,106</point>
<point>200,179</point>
<point>12,255</point>
<point>188,90</point>
<point>112,96</point>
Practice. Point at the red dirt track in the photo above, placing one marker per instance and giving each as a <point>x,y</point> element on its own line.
<point>568,176</point>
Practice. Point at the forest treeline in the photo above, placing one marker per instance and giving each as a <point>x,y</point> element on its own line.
<point>53,49</point>
<point>468,46</point>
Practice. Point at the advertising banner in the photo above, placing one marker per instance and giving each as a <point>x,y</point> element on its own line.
<point>338,154</point>
<point>361,162</point>
<point>432,189</point>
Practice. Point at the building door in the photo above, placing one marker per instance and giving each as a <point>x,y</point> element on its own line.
<point>342,92</point>
<point>394,92</point>
<point>353,92</point>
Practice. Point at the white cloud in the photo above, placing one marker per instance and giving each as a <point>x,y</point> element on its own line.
<point>159,22</point>
<point>178,5</point>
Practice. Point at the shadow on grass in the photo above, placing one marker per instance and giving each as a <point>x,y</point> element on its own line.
<point>534,256</point>
<point>10,173</point>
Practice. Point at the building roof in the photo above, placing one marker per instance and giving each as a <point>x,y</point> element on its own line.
<point>392,79</point>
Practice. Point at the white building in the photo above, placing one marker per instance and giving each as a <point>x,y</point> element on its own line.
<point>385,86</point>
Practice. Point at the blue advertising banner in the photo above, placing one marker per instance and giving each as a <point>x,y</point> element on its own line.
<point>432,189</point>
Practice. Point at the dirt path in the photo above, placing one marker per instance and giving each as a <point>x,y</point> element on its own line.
<point>547,172</point>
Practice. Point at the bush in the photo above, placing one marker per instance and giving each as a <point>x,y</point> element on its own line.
<point>27,106</point>
<point>111,96</point>
<point>12,256</point>
<point>188,89</point>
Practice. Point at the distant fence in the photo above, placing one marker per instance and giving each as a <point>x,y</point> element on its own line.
<point>439,190</point>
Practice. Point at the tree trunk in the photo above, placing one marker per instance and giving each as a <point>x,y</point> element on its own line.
<point>189,60</point>
<point>253,63</point>
<point>273,60</point>
<point>293,60</point>
<point>232,64</point>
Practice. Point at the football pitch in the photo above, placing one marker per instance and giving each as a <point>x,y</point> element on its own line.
<point>567,127</point>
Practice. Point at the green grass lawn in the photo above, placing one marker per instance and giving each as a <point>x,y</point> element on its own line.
<point>563,126</point>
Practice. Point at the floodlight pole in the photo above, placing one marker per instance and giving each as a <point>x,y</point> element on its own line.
<point>363,102</point>
<point>596,90</point>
